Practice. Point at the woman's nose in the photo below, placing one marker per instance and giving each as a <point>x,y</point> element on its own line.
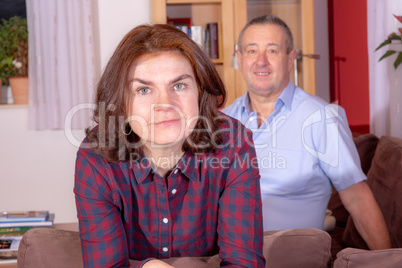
<point>164,100</point>
<point>163,97</point>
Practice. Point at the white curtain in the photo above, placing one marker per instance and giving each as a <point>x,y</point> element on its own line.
<point>385,82</point>
<point>62,62</point>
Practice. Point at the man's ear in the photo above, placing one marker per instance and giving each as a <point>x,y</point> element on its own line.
<point>238,56</point>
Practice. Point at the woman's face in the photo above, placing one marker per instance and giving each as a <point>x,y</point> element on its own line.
<point>164,107</point>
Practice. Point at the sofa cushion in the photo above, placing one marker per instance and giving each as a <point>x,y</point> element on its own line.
<point>385,181</point>
<point>357,258</point>
<point>300,248</point>
<point>49,247</point>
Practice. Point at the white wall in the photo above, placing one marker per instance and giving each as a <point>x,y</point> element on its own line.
<point>116,18</point>
<point>37,167</point>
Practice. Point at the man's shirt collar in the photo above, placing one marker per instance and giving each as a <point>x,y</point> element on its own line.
<point>285,98</point>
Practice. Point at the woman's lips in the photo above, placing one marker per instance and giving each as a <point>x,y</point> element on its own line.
<point>167,122</point>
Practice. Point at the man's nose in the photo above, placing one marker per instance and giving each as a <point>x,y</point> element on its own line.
<point>262,59</point>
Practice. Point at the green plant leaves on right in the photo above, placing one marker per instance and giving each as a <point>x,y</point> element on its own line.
<point>388,41</point>
<point>387,54</point>
<point>398,60</point>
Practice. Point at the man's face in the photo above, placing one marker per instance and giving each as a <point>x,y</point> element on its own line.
<point>263,61</point>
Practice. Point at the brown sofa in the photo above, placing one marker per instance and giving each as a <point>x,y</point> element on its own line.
<point>381,160</point>
<point>342,247</point>
<point>304,248</point>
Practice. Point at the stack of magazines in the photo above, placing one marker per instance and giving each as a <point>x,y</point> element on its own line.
<point>13,225</point>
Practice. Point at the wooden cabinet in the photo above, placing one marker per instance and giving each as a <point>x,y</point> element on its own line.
<point>233,16</point>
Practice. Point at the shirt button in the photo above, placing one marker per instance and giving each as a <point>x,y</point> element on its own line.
<point>165,249</point>
<point>176,170</point>
<point>174,191</point>
<point>165,220</point>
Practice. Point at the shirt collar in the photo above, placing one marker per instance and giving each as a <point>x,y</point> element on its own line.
<point>187,165</point>
<point>245,103</point>
<point>285,98</point>
<point>141,168</point>
<point>287,95</point>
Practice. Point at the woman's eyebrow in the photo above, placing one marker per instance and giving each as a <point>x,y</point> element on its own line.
<point>181,77</point>
<point>142,81</point>
<point>175,80</point>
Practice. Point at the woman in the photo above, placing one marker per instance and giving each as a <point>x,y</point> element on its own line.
<point>165,174</point>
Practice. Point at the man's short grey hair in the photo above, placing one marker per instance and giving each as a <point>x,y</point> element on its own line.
<point>268,19</point>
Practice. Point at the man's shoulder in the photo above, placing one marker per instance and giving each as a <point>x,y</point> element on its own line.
<point>229,121</point>
<point>230,127</point>
<point>233,109</point>
<point>306,103</point>
<point>304,98</point>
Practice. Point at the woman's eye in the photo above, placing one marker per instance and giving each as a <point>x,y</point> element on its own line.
<point>179,86</point>
<point>144,90</point>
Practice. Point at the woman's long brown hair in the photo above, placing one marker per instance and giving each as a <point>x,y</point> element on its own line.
<point>113,97</point>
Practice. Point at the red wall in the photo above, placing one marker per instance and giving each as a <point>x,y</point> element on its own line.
<point>349,60</point>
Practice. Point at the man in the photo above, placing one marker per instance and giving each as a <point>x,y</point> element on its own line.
<point>304,145</point>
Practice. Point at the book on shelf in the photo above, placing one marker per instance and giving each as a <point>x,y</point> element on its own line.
<point>23,216</point>
<point>207,42</point>
<point>209,37</point>
<point>197,34</point>
<point>48,222</point>
<point>14,230</point>
<point>9,246</point>
<point>213,40</point>
<point>179,22</point>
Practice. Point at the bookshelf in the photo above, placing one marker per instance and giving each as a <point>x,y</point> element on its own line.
<point>233,16</point>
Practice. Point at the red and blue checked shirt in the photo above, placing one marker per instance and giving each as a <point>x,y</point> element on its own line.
<point>210,204</point>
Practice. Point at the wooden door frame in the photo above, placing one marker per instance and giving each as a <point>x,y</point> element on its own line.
<point>308,45</point>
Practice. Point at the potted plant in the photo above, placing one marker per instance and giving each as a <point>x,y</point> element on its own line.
<point>393,37</point>
<point>14,56</point>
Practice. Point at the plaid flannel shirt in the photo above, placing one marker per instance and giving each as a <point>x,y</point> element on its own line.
<point>209,203</point>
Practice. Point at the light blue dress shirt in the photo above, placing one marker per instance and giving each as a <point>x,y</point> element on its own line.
<point>303,148</point>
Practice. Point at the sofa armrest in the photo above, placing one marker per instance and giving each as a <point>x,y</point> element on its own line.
<point>357,258</point>
<point>49,247</point>
<point>302,248</point>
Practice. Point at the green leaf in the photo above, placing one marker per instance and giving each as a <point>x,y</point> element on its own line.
<point>387,54</point>
<point>398,60</point>
<point>388,41</point>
